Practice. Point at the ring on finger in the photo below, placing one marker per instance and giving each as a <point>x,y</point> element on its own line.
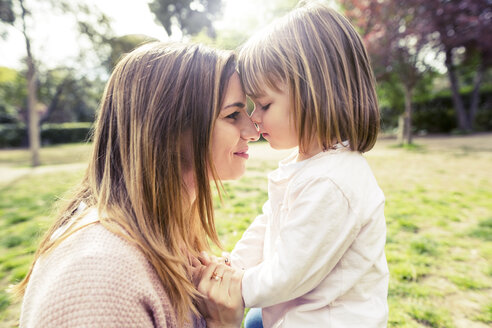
<point>216,277</point>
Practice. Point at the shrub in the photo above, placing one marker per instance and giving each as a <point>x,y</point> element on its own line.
<point>15,135</point>
<point>52,134</point>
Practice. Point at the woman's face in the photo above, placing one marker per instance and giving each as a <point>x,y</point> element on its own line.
<point>232,132</point>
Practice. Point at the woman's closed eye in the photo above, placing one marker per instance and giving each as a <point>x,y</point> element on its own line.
<point>233,115</point>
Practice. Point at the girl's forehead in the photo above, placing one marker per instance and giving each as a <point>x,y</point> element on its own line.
<point>261,85</point>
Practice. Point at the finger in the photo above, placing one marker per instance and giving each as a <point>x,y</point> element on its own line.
<point>226,282</point>
<point>195,262</point>
<point>196,274</point>
<point>204,258</point>
<point>227,258</point>
<point>219,292</point>
<point>206,277</point>
<point>219,272</point>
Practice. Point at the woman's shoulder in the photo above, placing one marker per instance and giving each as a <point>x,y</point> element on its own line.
<point>95,275</point>
<point>103,254</point>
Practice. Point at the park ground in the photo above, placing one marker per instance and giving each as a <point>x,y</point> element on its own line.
<point>438,212</point>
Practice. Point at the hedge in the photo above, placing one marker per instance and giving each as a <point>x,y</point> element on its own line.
<point>15,135</point>
<point>438,115</point>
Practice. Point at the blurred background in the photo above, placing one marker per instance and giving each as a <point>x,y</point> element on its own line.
<point>432,60</point>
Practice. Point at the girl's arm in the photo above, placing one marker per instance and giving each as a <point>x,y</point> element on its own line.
<point>248,251</point>
<point>315,232</point>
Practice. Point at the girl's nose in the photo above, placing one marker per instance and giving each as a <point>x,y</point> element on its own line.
<point>249,131</point>
<point>255,116</point>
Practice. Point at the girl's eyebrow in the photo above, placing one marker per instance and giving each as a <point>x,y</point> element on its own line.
<point>236,104</point>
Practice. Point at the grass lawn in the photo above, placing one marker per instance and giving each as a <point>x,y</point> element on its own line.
<point>438,211</point>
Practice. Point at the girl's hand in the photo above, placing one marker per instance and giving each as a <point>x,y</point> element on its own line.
<point>205,258</point>
<point>223,303</point>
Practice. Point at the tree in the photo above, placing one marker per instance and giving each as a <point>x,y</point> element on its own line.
<point>68,97</point>
<point>13,95</point>
<point>9,15</point>
<point>124,44</point>
<point>396,48</point>
<point>241,27</point>
<point>189,16</point>
<point>462,30</point>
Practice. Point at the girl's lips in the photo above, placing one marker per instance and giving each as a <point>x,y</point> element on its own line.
<point>265,134</point>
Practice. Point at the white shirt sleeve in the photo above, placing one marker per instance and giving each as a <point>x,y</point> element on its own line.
<point>316,230</point>
<point>248,251</point>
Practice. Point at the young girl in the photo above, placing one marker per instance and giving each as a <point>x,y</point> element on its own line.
<point>315,257</point>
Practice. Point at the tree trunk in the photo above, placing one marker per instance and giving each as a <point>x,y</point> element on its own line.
<point>401,130</point>
<point>475,96</point>
<point>463,123</point>
<point>407,123</point>
<point>33,128</point>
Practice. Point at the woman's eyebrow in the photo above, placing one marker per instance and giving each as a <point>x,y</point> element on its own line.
<point>236,104</point>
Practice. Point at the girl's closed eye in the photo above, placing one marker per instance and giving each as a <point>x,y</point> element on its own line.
<point>265,107</point>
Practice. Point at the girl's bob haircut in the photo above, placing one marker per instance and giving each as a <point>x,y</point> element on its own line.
<point>316,53</point>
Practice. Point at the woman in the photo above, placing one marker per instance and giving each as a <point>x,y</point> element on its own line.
<point>172,118</point>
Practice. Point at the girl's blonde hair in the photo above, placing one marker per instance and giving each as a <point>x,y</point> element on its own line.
<point>319,56</point>
<point>159,97</point>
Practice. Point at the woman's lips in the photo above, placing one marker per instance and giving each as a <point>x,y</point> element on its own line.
<point>242,153</point>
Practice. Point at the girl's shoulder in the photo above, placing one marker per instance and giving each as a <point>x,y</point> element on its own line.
<point>345,171</point>
<point>334,165</point>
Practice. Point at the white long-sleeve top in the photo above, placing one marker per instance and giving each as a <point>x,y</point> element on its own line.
<point>315,257</point>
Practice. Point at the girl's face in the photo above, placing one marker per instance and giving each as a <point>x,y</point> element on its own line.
<point>232,132</point>
<point>273,115</point>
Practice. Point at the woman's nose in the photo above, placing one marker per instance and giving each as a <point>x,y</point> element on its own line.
<point>249,131</point>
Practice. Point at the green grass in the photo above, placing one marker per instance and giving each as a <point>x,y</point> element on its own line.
<point>438,212</point>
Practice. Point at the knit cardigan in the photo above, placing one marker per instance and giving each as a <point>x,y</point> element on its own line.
<point>95,278</point>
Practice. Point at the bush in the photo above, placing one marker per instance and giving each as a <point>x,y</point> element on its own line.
<point>15,135</point>
<point>437,115</point>
<point>52,134</point>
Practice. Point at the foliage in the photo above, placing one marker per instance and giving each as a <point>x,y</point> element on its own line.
<point>68,96</point>
<point>15,135</point>
<point>462,31</point>
<point>12,135</point>
<point>124,44</point>
<point>438,115</point>
<point>64,96</point>
<point>189,16</point>
<point>6,11</point>
<point>395,45</point>
<point>243,26</point>
<point>13,95</point>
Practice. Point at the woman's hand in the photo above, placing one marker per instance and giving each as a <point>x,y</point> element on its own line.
<point>222,305</point>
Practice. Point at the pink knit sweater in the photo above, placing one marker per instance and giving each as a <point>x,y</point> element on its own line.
<point>97,279</point>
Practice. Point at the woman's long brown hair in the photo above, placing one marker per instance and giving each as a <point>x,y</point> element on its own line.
<point>154,125</point>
